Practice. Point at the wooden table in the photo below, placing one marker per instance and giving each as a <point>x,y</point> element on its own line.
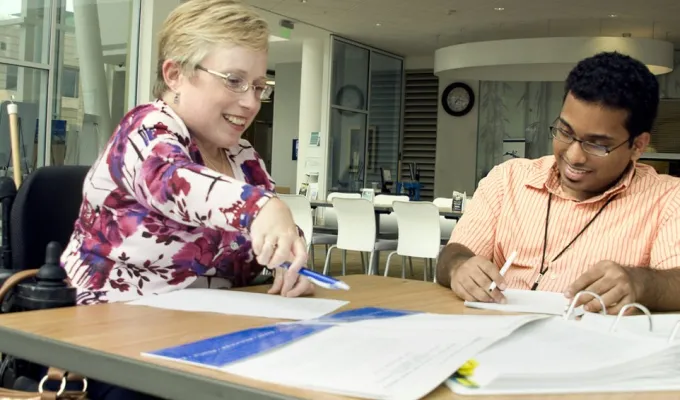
<point>105,341</point>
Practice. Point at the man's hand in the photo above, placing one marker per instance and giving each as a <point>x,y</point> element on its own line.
<point>615,284</point>
<point>471,281</point>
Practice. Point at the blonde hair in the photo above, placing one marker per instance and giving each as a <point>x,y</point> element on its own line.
<point>195,27</point>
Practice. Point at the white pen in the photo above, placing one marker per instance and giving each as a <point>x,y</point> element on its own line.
<point>505,269</point>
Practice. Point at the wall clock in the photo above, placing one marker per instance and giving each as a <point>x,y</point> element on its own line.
<point>458,99</point>
<point>350,96</point>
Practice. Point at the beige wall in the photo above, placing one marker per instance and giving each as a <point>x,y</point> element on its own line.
<point>456,159</point>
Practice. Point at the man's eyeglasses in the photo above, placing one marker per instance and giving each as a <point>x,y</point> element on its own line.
<point>239,84</point>
<point>591,148</point>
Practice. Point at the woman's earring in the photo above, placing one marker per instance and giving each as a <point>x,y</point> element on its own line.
<point>176,99</point>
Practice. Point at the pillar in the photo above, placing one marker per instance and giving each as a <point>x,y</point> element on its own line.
<point>92,76</point>
<point>285,124</point>
<point>311,159</point>
<point>153,14</point>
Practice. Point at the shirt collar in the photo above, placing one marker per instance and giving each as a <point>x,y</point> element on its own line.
<point>545,176</point>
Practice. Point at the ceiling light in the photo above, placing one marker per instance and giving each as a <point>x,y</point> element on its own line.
<point>303,1</point>
<point>378,24</point>
<point>499,8</point>
<point>613,15</point>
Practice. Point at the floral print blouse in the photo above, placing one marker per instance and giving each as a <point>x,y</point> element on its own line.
<point>154,218</point>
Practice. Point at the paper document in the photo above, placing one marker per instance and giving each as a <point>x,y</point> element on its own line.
<point>361,359</point>
<point>529,301</point>
<point>367,353</point>
<point>242,303</point>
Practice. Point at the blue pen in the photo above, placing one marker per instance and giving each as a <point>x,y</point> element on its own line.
<point>320,279</point>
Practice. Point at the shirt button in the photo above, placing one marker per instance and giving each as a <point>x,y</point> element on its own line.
<point>553,276</point>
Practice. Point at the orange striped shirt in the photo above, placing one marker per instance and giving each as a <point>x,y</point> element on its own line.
<point>640,227</point>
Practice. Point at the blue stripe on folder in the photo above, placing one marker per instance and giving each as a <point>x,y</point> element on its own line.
<point>222,350</point>
<point>361,314</point>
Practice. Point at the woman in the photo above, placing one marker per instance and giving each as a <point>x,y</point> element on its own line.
<point>178,199</point>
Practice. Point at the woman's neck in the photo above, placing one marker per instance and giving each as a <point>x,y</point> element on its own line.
<point>209,151</point>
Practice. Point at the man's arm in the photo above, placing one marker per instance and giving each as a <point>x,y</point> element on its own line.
<point>450,258</point>
<point>660,288</point>
<point>661,282</point>
<point>656,286</point>
<point>475,232</point>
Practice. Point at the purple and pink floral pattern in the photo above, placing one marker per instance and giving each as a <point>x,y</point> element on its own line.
<point>154,218</point>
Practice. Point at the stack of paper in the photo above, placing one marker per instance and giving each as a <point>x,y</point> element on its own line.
<point>241,303</point>
<point>559,356</point>
<point>529,301</point>
<point>369,353</point>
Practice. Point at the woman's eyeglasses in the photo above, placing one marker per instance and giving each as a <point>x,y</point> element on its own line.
<point>239,84</point>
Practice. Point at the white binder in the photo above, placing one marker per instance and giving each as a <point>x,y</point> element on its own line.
<point>566,355</point>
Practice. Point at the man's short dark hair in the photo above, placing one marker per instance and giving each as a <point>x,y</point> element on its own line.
<point>618,82</point>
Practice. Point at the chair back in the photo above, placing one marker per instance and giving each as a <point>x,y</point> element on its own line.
<point>419,230</point>
<point>341,195</point>
<point>330,220</point>
<point>388,199</point>
<point>45,210</point>
<point>443,202</point>
<point>302,213</point>
<point>356,224</point>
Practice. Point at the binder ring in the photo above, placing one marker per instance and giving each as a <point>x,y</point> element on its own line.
<point>570,310</point>
<point>674,332</point>
<point>627,306</point>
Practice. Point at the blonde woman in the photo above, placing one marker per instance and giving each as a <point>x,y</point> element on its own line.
<point>177,198</point>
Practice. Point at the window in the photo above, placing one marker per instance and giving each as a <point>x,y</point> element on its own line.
<point>12,77</point>
<point>69,82</point>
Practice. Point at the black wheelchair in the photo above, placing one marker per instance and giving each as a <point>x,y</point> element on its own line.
<point>37,222</point>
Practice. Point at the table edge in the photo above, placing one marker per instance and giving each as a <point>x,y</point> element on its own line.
<point>147,377</point>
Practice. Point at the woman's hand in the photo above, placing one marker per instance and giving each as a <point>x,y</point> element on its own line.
<point>275,240</point>
<point>301,287</point>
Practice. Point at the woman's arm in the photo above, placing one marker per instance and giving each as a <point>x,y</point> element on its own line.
<point>151,162</point>
<point>256,173</point>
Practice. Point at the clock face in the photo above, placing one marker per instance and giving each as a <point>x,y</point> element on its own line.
<point>458,99</point>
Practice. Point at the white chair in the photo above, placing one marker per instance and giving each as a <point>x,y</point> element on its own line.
<point>357,232</point>
<point>446,225</point>
<point>302,215</point>
<point>419,234</point>
<point>388,199</point>
<point>443,202</point>
<point>341,195</point>
<point>388,222</point>
<point>328,213</point>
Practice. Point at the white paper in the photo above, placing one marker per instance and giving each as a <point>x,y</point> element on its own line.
<point>396,358</point>
<point>529,301</point>
<point>573,358</point>
<point>662,324</point>
<point>242,303</point>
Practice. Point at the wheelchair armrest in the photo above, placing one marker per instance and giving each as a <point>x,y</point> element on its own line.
<point>13,279</point>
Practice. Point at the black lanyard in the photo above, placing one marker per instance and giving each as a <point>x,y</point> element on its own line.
<point>544,268</point>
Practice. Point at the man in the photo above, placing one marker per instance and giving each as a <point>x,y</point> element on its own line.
<point>588,217</point>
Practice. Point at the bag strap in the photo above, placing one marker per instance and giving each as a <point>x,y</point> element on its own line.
<point>16,279</point>
<point>59,375</point>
